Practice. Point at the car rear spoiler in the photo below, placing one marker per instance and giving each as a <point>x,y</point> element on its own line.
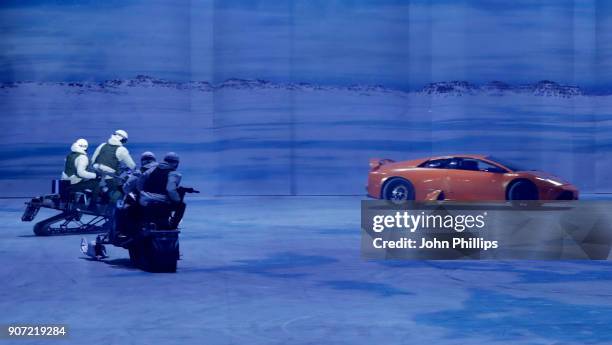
<point>376,163</point>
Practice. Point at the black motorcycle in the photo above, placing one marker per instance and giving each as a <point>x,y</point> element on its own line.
<point>148,233</point>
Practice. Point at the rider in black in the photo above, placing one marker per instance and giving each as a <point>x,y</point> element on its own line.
<point>159,191</point>
<point>147,161</point>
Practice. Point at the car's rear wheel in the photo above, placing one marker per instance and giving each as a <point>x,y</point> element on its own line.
<point>398,191</point>
<point>523,190</point>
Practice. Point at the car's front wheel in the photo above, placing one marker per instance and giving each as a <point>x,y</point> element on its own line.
<point>398,191</point>
<point>523,190</point>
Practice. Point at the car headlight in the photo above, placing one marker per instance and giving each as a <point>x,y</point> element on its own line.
<point>551,181</point>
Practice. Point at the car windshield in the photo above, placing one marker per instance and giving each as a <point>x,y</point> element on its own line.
<point>509,165</point>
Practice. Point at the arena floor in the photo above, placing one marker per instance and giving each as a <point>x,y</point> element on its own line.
<point>287,270</point>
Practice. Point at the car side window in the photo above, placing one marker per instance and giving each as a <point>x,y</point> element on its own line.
<point>455,163</point>
<point>436,164</point>
<point>488,167</point>
<point>476,165</point>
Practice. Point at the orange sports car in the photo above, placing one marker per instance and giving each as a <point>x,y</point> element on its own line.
<point>463,177</point>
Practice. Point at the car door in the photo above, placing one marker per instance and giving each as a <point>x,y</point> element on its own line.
<point>474,179</point>
<point>432,177</point>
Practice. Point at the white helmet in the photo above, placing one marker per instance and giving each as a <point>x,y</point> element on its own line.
<point>122,134</point>
<point>82,144</point>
